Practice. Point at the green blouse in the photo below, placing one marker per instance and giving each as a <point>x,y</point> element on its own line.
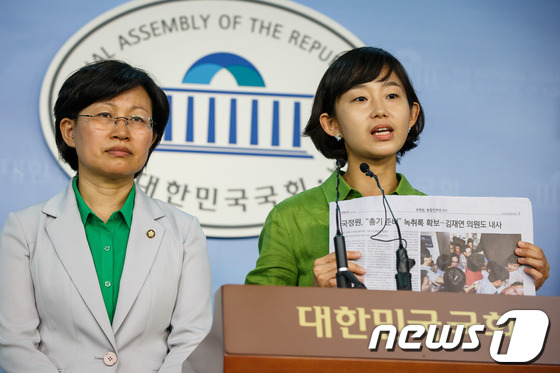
<point>296,233</point>
<point>107,243</point>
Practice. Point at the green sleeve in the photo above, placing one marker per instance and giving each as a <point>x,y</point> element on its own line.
<point>276,264</point>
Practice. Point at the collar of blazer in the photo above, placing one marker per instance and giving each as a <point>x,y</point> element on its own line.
<point>68,239</point>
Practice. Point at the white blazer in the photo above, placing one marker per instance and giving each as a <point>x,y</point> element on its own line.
<point>52,314</point>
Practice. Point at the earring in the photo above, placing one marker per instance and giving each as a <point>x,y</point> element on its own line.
<point>338,137</point>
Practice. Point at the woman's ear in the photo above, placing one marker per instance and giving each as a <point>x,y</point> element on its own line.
<point>67,131</point>
<point>329,125</point>
<point>414,112</point>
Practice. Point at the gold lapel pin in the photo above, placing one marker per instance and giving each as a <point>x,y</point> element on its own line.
<point>151,233</point>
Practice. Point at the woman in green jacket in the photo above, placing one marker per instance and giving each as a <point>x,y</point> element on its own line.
<point>365,110</point>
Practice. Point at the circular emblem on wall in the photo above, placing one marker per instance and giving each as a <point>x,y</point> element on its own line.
<point>240,77</point>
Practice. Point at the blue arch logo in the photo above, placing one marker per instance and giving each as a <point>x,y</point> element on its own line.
<point>246,130</point>
<point>203,70</point>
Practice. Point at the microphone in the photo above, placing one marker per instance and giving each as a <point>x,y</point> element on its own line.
<point>403,276</point>
<point>344,277</point>
<point>364,167</point>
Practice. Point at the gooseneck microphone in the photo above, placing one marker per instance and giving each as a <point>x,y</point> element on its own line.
<point>344,277</point>
<point>403,276</point>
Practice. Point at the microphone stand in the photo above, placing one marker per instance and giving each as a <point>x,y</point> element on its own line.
<point>344,277</point>
<point>403,276</point>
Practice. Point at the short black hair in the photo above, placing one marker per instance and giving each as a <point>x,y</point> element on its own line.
<point>443,261</point>
<point>475,262</point>
<point>357,66</point>
<point>498,273</point>
<point>105,80</point>
<point>454,280</point>
<point>491,266</point>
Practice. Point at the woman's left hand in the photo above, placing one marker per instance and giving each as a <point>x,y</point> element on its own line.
<point>533,257</point>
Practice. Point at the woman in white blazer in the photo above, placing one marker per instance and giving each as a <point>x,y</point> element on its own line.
<point>102,278</point>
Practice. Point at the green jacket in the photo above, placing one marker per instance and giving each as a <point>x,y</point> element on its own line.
<point>296,233</point>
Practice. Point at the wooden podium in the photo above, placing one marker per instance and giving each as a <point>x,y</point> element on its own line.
<point>269,329</point>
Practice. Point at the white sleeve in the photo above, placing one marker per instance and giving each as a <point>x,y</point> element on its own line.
<point>19,320</point>
<point>192,317</point>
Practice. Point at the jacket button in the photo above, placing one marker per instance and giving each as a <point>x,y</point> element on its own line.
<point>110,359</point>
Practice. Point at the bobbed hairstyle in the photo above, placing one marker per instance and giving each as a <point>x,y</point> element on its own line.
<point>100,81</point>
<point>357,66</point>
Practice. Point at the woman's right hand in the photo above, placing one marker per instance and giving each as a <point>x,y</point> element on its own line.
<point>324,269</point>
